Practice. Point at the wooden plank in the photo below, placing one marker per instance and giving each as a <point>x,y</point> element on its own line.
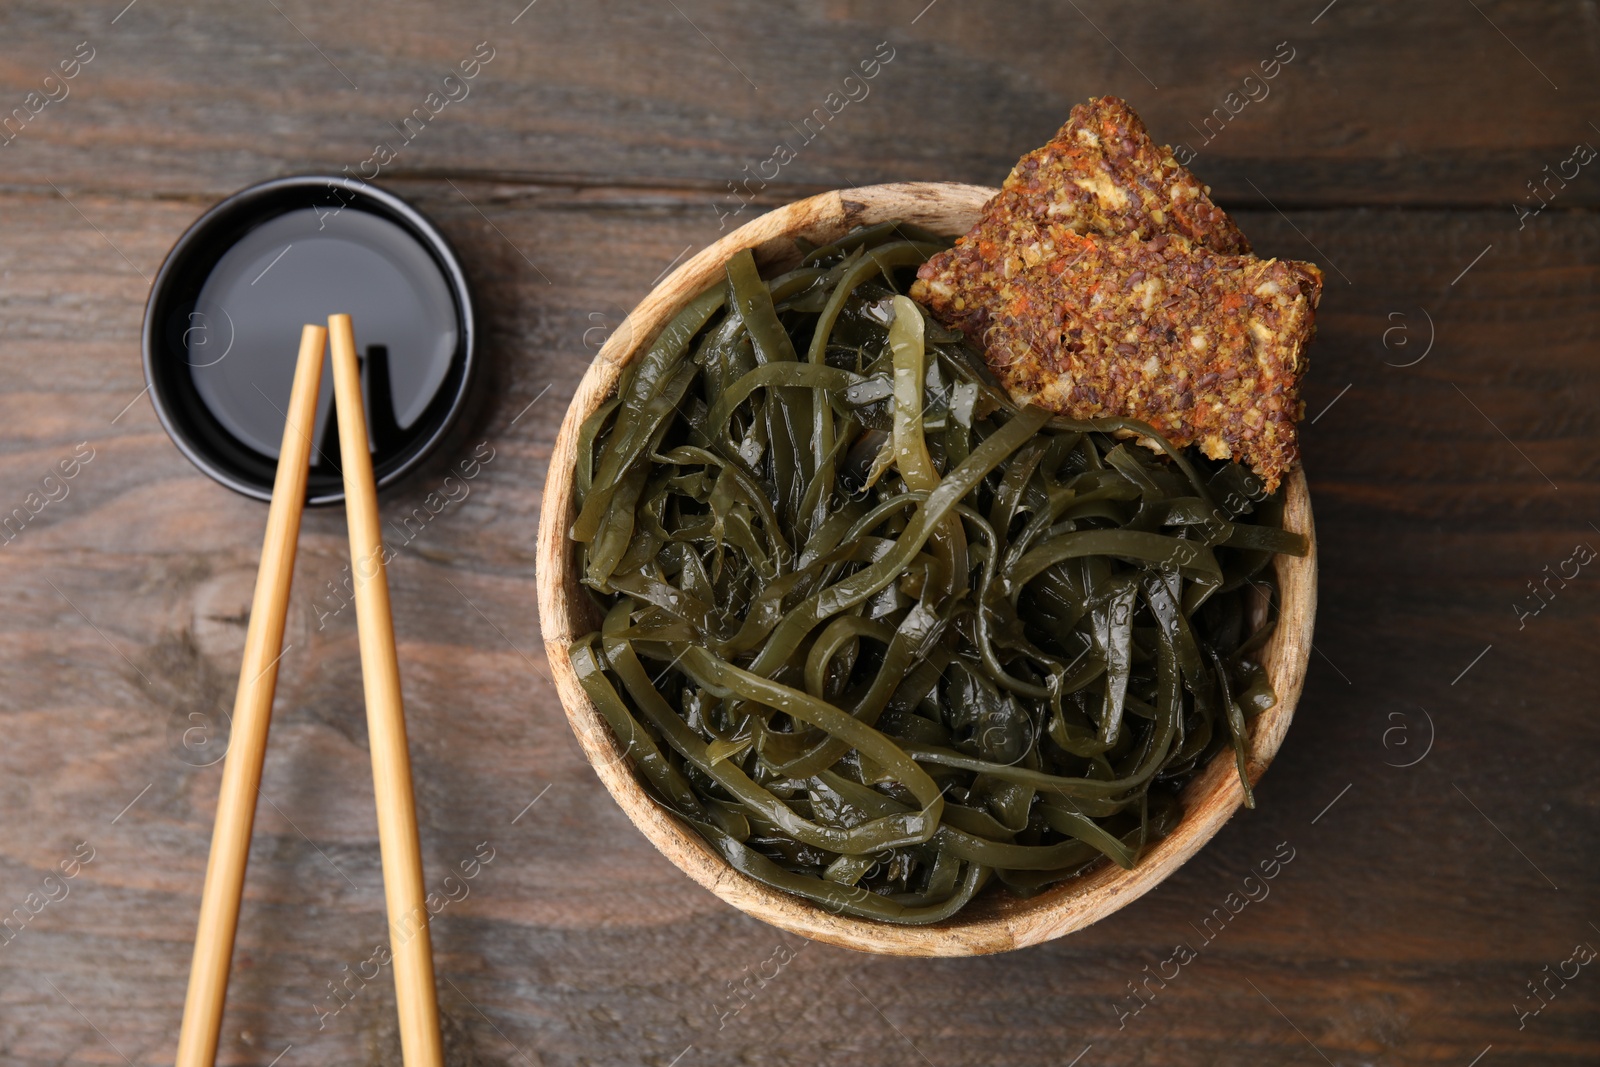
<point>1437,102</point>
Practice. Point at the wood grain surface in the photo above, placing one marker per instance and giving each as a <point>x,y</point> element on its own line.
<point>1436,792</point>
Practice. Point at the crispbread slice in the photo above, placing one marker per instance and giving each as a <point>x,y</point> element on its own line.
<point>1205,347</point>
<point>1102,173</point>
<point>1102,281</point>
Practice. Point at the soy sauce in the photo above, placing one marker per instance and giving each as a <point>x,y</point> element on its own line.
<point>243,335</point>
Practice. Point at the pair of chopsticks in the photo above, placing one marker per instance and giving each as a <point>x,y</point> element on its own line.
<point>410,947</point>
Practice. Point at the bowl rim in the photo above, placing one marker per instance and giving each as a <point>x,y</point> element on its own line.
<point>1007,923</point>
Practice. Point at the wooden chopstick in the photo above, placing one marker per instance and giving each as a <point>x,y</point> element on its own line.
<point>252,714</point>
<point>410,947</point>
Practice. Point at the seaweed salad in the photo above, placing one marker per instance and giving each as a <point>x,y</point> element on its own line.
<point>881,635</point>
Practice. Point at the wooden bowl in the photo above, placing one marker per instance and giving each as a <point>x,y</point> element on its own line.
<point>994,921</point>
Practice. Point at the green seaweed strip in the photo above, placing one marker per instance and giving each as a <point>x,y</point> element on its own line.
<point>1238,732</point>
<point>584,475</point>
<point>640,412</point>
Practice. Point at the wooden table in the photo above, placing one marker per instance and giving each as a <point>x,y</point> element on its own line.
<point>1437,789</point>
